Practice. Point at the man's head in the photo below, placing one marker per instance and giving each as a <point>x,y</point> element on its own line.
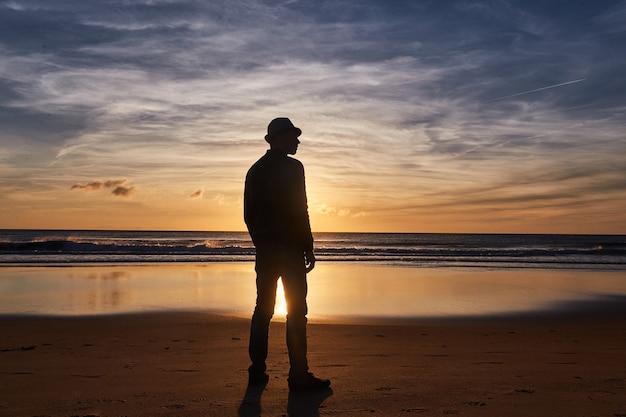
<point>282,135</point>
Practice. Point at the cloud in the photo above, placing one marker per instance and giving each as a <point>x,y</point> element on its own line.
<point>197,194</point>
<point>117,186</point>
<point>394,105</point>
<point>97,185</point>
<point>122,191</point>
<point>220,199</point>
<point>327,210</point>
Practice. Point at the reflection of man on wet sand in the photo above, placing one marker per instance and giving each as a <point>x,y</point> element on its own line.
<point>276,214</point>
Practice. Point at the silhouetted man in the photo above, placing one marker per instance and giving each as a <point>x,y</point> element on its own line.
<point>276,214</point>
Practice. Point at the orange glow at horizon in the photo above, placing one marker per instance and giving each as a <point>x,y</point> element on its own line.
<point>369,208</point>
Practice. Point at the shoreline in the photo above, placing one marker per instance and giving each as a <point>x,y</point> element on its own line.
<point>194,364</point>
<point>605,307</point>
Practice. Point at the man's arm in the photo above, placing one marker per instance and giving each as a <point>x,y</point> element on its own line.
<point>309,260</point>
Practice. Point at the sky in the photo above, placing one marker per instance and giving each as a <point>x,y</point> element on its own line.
<point>417,116</point>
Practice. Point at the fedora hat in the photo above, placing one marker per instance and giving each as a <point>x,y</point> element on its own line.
<point>280,125</point>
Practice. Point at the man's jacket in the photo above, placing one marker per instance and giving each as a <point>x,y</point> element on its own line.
<point>275,204</point>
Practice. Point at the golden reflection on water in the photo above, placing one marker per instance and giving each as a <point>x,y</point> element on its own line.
<point>335,289</point>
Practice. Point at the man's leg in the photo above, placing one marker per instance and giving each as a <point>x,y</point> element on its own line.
<point>294,282</point>
<point>266,283</point>
<point>295,285</point>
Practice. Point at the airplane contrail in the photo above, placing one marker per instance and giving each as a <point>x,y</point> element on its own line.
<point>537,89</point>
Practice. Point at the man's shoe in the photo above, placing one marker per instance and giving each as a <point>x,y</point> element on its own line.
<point>258,378</point>
<point>307,382</point>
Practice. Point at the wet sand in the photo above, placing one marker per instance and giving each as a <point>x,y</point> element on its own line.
<point>336,289</point>
<point>194,364</point>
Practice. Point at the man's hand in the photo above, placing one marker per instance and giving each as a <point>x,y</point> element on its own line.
<point>309,260</point>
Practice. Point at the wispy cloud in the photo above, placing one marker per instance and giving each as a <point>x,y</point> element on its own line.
<point>327,210</point>
<point>117,187</point>
<point>97,185</point>
<point>395,107</point>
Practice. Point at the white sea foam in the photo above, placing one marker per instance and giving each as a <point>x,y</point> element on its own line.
<point>586,252</point>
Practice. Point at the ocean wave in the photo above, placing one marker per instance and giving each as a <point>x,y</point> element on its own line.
<point>435,250</point>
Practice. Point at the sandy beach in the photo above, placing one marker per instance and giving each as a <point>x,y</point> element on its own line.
<point>194,364</point>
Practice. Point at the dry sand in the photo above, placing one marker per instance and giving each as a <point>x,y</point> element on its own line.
<point>194,364</point>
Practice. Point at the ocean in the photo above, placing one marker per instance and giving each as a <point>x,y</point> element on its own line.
<point>489,251</point>
<point>63,272</point>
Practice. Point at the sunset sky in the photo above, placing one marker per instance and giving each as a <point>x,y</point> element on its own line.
<point>417,116</point>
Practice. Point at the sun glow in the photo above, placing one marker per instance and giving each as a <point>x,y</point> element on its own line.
<point>280,309</point>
